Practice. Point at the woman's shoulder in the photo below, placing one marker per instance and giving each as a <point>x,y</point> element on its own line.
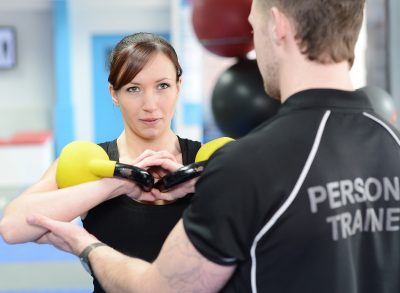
<point>189,144</point>
<point>111,148</point>
<point>189,149</point>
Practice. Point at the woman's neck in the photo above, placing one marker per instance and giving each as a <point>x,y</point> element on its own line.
<point>130,146</point>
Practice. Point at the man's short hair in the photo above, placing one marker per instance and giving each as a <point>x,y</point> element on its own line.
<point>326,30</point>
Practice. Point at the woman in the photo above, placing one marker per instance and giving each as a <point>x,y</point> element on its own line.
<point>144,81</point>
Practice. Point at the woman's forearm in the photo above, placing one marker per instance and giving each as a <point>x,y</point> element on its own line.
<point>61,204</point>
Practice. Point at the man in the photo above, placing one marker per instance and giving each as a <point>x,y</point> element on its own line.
<point>308,202</point>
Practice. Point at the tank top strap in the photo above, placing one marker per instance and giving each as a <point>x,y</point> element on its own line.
<point>189,149</point>
<point>111,149</point>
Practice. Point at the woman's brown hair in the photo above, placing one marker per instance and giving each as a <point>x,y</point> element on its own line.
<point>132,53</point>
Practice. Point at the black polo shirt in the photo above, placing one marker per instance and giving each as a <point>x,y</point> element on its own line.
<point>307,202</point>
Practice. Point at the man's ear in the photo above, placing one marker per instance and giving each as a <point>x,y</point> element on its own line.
<point>113,94</point>
<point>280,25</point>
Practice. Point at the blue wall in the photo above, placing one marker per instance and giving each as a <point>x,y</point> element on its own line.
<point>63,113</point>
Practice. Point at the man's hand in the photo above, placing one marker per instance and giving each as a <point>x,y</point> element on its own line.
<point>63,235</point>
<point>178,268</point>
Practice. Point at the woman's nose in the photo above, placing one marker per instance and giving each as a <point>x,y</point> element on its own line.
<point>150,101</point>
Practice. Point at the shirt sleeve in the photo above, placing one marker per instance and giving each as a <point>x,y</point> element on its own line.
<point>221,222</point>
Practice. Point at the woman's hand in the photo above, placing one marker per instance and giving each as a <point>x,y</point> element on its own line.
<point>129,188</point>
<point>159,164</point>
<point>176,192</point>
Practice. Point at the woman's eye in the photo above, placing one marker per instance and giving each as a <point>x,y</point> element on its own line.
<point>163,86</point>
<point>132,89</point>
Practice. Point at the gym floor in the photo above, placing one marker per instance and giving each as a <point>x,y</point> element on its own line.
<point>33,268</point>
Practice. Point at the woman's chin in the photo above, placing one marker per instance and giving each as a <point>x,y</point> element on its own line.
<point>151,134</point>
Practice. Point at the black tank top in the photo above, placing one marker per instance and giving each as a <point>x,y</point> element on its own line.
<point>133,228</point>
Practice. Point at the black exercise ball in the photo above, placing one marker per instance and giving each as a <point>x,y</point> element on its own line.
<point>381,102</point>
<point>239,102</point>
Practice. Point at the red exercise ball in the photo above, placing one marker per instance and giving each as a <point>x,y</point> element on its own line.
<point>222,26</point>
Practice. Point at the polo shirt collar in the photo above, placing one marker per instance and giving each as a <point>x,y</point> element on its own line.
<point>327,98</point>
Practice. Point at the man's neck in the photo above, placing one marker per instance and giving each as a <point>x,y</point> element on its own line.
<point>309,75</point>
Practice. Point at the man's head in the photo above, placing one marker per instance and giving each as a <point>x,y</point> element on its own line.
<point>325,31</point>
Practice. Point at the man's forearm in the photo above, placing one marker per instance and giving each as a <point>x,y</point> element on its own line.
<point>178,268</point>
<point>117,272</point>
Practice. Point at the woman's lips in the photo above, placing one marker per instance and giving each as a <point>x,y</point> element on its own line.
<point>150,121</point>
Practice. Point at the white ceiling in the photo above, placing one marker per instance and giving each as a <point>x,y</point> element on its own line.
<point>20,5</point>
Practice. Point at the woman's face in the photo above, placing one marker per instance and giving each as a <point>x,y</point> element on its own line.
<point>148,102</point>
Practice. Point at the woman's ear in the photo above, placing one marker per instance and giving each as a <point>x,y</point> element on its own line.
<point>178,84</point>
<point>113,94</point>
